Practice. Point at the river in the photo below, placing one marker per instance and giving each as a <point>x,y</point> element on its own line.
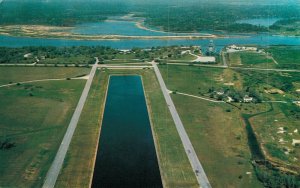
<point>129,28</point>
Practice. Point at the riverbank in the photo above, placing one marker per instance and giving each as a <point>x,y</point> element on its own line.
<point>141,25</point>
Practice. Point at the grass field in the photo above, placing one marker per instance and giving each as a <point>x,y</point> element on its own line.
<point>250,59</point>
<point>279,57</point>
<point>225,127</point>
<point>174,165</point>
<point>79,59</point>
<point>21,74</point>
<point>220,139</point>
<point>286,56</point>
<point>276,132</point>
<point>199,80</point>
<point>33,124</point>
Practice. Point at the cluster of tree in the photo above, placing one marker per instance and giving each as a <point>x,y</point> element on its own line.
<point>275,179</point>
<point>6,145</point>
<point>287,25</point>
<point>58,13</point>
<point>284,83</point>
<point>17,55</point>
<point>82,53</point>
<point>201,17</point>
<point>236,96</point>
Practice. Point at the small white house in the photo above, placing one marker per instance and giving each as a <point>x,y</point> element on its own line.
<point>248,99</point>
<point>28,55</point>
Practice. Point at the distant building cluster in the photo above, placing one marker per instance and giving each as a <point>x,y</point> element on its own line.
<point>234,48</point>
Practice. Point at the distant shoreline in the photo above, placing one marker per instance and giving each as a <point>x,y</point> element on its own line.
<point>51,32</point>
<point>141,25</point>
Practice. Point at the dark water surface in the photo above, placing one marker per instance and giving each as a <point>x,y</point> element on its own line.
<point>126,153</point>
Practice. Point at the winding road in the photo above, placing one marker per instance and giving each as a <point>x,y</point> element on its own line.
<point>189,149</point>
<point>56,166</point>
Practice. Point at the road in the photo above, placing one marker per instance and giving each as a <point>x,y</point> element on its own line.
<point>56,166</point>
<point>189,149</point>
<point>203,98</point>
<point>43,80</point>
<point>236,68</point>
<point>124,66</point>
<point>224,59</point>
<point>262,69</point>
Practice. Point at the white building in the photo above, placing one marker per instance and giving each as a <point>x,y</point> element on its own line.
<point>248,99</point>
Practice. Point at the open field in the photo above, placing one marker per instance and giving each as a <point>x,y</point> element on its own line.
<point>276,131</point>
<point>196,115</point>
<point>199,80</point>
<point>220,141</point>
<point>174,165</point>
<point>286,56</point>
<point>274,57</point>
<point>21,74</point>
<point>250,59</point>
<point>33,120</point>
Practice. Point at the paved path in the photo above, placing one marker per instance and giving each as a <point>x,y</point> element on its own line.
<point>43,80</point>
<point>224,59</point>
<point>123,66</point>
<point>195,163</point>
<point>262,69</point>
<point>56,166</point>
<point>32,81</point>
<point>237,68</point>
<point>198,97</point>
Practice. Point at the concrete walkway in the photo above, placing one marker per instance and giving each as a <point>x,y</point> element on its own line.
<point>189,149</point>
<point>56,166</point>
<point>43,80</point>
<point>32,81</point>
<point>198,97</point>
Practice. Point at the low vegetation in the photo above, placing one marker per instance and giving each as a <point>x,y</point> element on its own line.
<point>279,154</point>
<point>33,120</point>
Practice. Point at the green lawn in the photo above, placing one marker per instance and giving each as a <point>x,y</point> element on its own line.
<point>199,80</point>
<point>286,55</point>
<point>68,60</point>
<point>191,79</point>
<point>253,58</point>
<point>219,137</point>
<point>21,74</point>
<point>35,125</point>
<point>220,141</point>
<point>250,59</point>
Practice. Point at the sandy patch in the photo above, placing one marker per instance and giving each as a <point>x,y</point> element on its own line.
<point>280,130</point>
<point>274,91</point>
<point>229,84</point>
<point>82,78</point>
<point>295,142</point>
<point>281,140</point>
